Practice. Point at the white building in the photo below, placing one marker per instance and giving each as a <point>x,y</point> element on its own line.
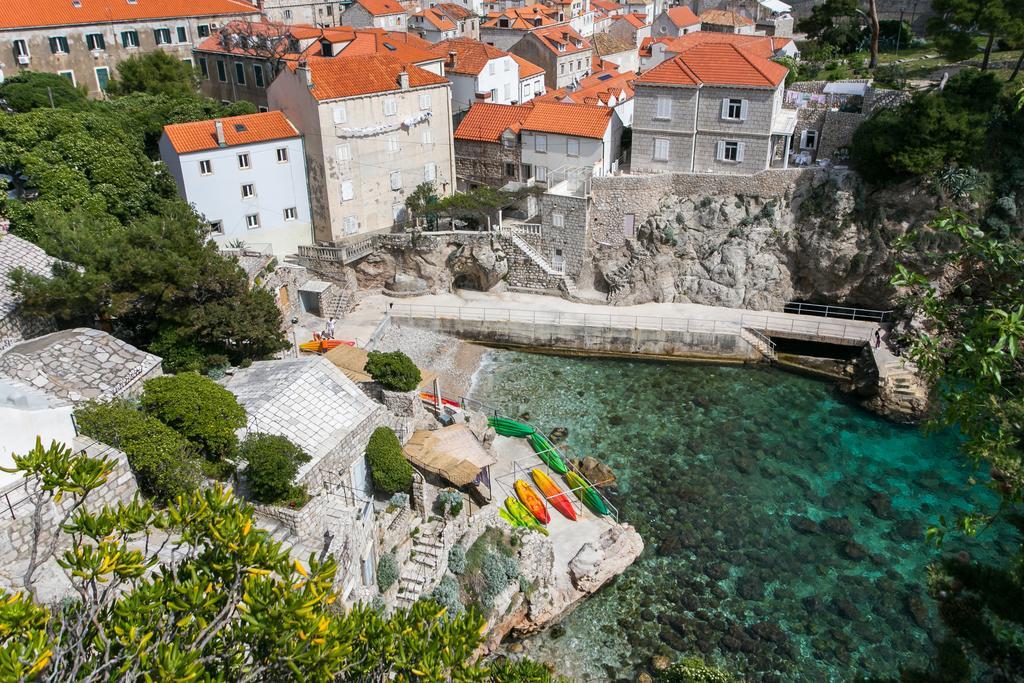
<point>675,22</point>
<point>483,73</point>
<point>246,175</point>
<point>25,414</point>
<point>386,14</point>
<point>559,139</point>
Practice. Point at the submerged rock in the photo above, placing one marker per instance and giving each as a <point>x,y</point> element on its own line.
<point>881,505</point>
<point>846,609</point>
<point>854,551</point>
<point>804,525</point>
<point>750,588</point>
<point>838,526</point>
<point>595,471</point>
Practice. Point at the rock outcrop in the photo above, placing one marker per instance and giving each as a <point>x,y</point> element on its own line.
<point>596,563</point>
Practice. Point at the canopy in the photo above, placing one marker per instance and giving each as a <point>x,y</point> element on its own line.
<point>451,452</point>
<point>846,88</point>
<point>776,6</point>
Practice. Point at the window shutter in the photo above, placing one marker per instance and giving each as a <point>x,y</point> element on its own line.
<point>803,140</point>
<point>721,150</point>
<point>396,180</point>
<point>346,191</point>
<point>725,108</point>
<point>743,110</point>
<point>344,153</point>
<point>739,151</point>
<point>339,114</point>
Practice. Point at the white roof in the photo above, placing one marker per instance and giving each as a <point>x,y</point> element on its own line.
<point>846,88</point>
<point>776,6</point>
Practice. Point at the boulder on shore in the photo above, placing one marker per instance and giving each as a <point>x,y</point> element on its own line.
<point>609,556</point>
<point>596,472</point>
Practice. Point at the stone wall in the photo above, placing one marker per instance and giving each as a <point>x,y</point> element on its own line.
<point>837,132</point>
<point>14,328</point>
<point>483,163</point>
<point>335,467</point>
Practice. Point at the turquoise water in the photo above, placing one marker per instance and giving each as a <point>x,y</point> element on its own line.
<point>784,526</point>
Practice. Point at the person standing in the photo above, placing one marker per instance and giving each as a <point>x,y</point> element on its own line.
<point>330,328</point>
<point>878,337</point>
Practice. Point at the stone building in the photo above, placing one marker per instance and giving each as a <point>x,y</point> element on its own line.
<point>726,21</point>
<point>656,51</point>
<point>716,107</point>
<point>487,149</point>
<point>563,53</point>
<point>16,253</point>
<point>483,73</point>
<point>389,15</point>
<point>620,52</point>
<point>445,21</point>
<point>316,13</point>
<point>506,27</point>
<point>85,41</point>
<point>375,129</point>
<point>674,22</point>
<point>631,27</point>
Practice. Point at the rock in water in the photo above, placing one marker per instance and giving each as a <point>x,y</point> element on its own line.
<point>803,525</point>
<point>838,526</point>
<point>595,471</point>
<point>558,434</point>
<point>854,551</point>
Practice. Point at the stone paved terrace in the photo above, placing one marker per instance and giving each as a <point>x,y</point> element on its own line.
<point>80,364</point>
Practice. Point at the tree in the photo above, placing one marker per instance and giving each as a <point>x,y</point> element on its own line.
<point>956,22</point>
<point>164,462</point>
<point>30,90</point>
<point>393,370</point>
<point>422,200</point>
<point>835,22</point>
<point>272,463</point>
<point>199,409</point>
<point>235,606</point>
<point>793,66</point>
<point>874,29</point>
<point>269,41</point>
<point>156,73</point>
<point>389,469</point>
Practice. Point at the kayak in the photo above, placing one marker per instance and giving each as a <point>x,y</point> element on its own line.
<point>556,496</point>
<point>507,427</point>
<point>520,516</point>
<point>533,502</point>
<point>444,401</point>
<point>324,345</point>
<point>548,453</point>
<point>586,493</point>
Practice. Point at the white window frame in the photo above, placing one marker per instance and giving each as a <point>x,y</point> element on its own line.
<point>663,108</point>
<point>557,220</point>
<point>21,48</point>
<point>61,49</point>
<point>394,145</point>
<point>90,37</point>
<point>662,149</point>
<point>240,73</point>
<point>96,72</point>
<point>809,139</point>
<point>395,180</point>
<point>390,106</point>
<point>244,162</point>
<point>724,147</point>
<point>540,173</point>
<point>205,167</point>
<point>158,34</point>
<point>572,147</point>
<point>343,152</point>
<point>248,191</point>
<point>252,221</point>
<point>429,172</point>
<point>131,44</point>
<point>178,30</point>
<point>428,137</point>
<point>734,109</point>
<point>291,213</point>
<point>339,114</point>
<point>68,72</point>
<point>282,155</point>
<point>348,191</point>
<point>424,101</point>
<point>258,78</point>
<point>540,144</point>
<point>350,224</point>
<point>216,227</point>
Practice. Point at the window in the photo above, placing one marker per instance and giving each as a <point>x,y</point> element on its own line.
<point>664,108</point>
<point>558,220</point>
<point>217,227</point>
<point>540,173</point>
<point>527,171</point>
<point>222,72</point>
<point>248,190</point>
<point>540,143</point>
<point>344,153</point>
<point>95,41</point>
<point>526,92</point>
<point>59,45</point>
<point>507,92</point>
<point>239,73</point>
<point>428,137</point>
<point>287,14</point>
<point>20,48</point>
<point>396,180</point>
<point>490,68</point>
<point>252,221</point>
<point>393,145</point>
<point>508,141</point>
<point>182,34</point>
<point>508,65</point>
<point>424,100</point>
<point>390,106</point>
<point>291,213</point>
<point>204,68</point>
<point>263,110</point>
<point>203,30</point>
<point>730,151</point>
<point>70,75</point>
<point>347,192</point>
<point>188,60</point>
<point>282,155</point>
<point>351,225</point>
<point>510,170</point>
<point>809,139</point>
<point>734,110</point>
<point>339,114</point>
<point>572,147</point>
<point>661,149</point>
<point>398,211</point>
<point>429,172</point>
<point>205,167</point>
<point>162,36</point>
<point>243,161</point>
<point>257,74</point>
<point>102,77</point>
<point>129,38</point>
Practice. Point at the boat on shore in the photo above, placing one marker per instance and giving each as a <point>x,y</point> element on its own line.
<point>533,502</point>
<point>548,453</point>
<point>585,492</point>
<point>555,495</point>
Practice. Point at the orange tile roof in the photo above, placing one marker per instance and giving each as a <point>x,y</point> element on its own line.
<point>608,5</point>
<point>635,20</point>
<point>381,7</point>
<point>247,129</point>
<point>553,37</point>
<point>453,11</point>
<point>721,17</point>
<point>762,46</point>
<point>436,19</point>
<point>471,56</point>
<point>485,122</point>
<point>596,89</point>
<point>526,68</point>
<point>608,44</point>
<point>336,77</point>
<point>29,13</point>
<point>398,44</point>
<point>576,120</point>
<point>527,17</point>
<point>717,63</point>
<point>682,16</point>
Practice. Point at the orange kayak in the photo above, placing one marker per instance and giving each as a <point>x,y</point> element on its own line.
<point>533,502</point>
<point>555,495</point>
<point>322,345</point>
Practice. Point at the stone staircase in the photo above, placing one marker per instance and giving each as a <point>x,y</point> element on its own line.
<point>569,287</point>
<point>422,568</point>
<point>541,262</point>
<point>761,342</point>
<point>337,306</point>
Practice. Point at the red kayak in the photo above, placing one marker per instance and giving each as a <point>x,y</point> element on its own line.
<point>444,401</point>
<point>556,496</point>
<point>533,502</point>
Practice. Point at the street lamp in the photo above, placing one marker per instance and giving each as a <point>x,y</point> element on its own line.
<point>295,341</point>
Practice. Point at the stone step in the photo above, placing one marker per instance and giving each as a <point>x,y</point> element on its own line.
<point>425,562</point>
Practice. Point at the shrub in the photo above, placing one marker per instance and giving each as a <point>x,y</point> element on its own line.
<point>448,503</point>
<point>387,572</point>
<point>457,559</point>
<point>164,462</point>
<point>34,90</point>
<point>399,500</point>
<point>389,469</point>
<point>273,461</point>
<point>694,670</point>
<point>497,572</point>
<point>199,409</point>
<point>446,594</point>
<point>393,370</point>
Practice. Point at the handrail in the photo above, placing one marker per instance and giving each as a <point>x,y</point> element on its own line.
<point>830,311</point>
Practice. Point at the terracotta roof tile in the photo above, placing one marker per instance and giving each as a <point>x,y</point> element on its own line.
<point>721,17</point>
<point>238,130</point>
<point>486,122</point>
<point>453,11</point>
<point>717,63</point>
<point>527,17</point>
<point>381,7</point>
<point>635,20</point>
<point>336,77</point>
<point>526,68</point>
<point>27,13</point>
<point>577,120</point>
<point>436,19</point>
<point>608,5</point>
<point>607,44</point>
<point>471,56</point>
<point>762,46</point>
<point>682,16</point>
<point>553,37</point>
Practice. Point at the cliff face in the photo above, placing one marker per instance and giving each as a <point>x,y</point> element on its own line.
<point>826,240</point>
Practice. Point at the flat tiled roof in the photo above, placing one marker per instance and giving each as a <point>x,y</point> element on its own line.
<point>31,13</point>
<point>247,129</point>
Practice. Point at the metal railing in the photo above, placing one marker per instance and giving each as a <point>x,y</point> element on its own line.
<point>10,503</point>
<point>829,311</point>
<point>764,340</point>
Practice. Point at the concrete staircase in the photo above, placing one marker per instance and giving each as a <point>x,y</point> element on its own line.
<point>541,262</point>
<point>337,306</point>
<point>761,342</point>
<point>422,568</point>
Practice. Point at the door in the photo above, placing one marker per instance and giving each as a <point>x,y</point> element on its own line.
<point>558,262</point>
<point>628,225</point>
<point>361,479</point>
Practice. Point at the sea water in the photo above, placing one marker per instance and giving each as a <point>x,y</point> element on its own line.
<point>784,525</point>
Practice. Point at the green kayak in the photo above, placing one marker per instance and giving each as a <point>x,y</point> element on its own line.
<point>522,516</point>
<point>586,493</point>
<point>548,453</point>
<point>507,427</point>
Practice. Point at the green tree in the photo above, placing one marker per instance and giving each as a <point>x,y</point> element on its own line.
<point>793,66</point>
<point>835,22</point>
<point>272,463</point>
<point>156,73</point>
<point>164,462</point>
<point>199,409</point>
<point>393,370</point>
<point>389,469</point>
<point>30,90</point>
<point>957,22</point>
<point>234,607</point>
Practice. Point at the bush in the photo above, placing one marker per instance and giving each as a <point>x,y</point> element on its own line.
<point>33,90</point>
<point>387,572</point>
<point>446,594</point>
<point>199,409</point>
<point>497,572</point>
<point>448,503</point>
<point>457,559</point>
<point>399,500</point>
<point>393,370</point>
<point>390,471</point>
<point>164,462</point>
<point>694,670</point>
<point>273,461</point>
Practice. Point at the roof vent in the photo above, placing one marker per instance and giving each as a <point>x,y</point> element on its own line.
<point>132,2</point>
<point>76,3</point>
<point>452,56</point>
<point>403,80</point>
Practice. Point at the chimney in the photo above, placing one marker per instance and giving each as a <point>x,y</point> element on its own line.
<point>452,56</point>
<point>565,36</point>
<point>218,125</point>
<point>304,68</point>
<point>403,80</point>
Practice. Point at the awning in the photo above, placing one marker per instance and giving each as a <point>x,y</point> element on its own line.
<point>846,88</point>
<point>785,122</point>
<point>776,6</point>
<point>451,452</point>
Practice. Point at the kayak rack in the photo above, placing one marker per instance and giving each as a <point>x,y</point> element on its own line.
<point>521,471</point>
